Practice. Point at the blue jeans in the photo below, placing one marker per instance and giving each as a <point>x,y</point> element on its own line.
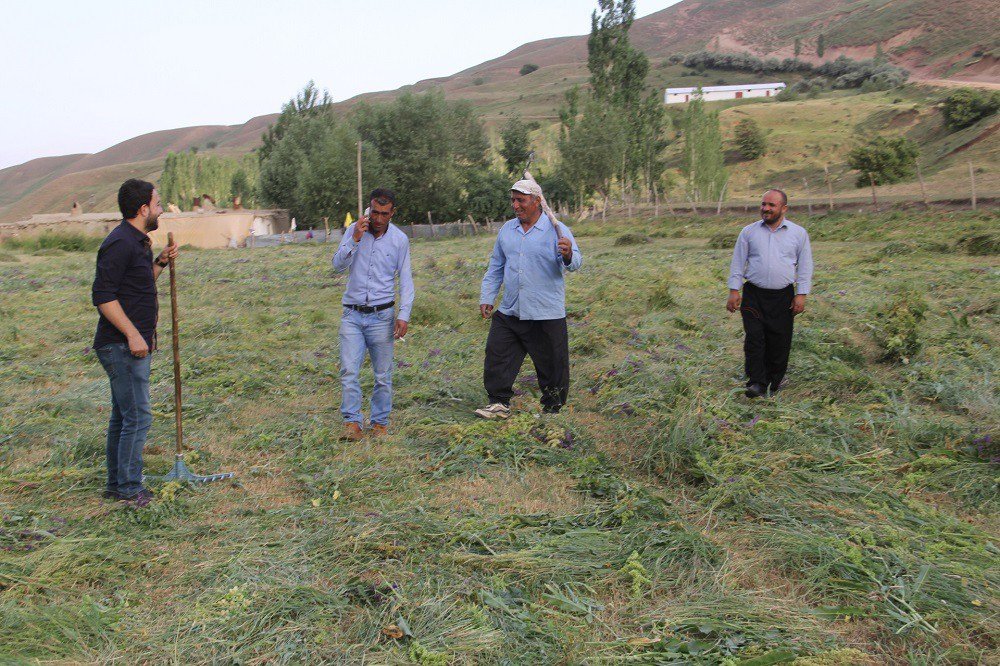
<point>131,416</point>
<point>372,332</point>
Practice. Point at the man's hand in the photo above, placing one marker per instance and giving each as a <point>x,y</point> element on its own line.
<point>798,304</point>
<point>565,248</point>
<point>400,330</point>
<point>137,346</point>
<point>360,228</point>
<point>733,304</point>
<point>169,252</point>
<point>486,310</point>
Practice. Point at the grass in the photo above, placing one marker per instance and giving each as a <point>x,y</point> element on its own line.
<point>663,518</point>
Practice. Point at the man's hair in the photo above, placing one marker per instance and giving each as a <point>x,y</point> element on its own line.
<point>383,196</point>
<point>133,195</point>
<point>784,197</point>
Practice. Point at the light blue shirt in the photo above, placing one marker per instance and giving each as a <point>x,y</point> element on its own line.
<point>374,264</point>
<point>772,259</point>
<point>530,268</point>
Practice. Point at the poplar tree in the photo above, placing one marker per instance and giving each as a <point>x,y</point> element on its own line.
<point>704,161</point>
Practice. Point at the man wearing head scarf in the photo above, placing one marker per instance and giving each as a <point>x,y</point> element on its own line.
<point>531,254</point>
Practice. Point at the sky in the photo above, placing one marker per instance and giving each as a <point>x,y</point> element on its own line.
<point>78,77</point>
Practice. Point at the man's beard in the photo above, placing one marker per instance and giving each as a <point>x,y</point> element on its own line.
<point>152,223</point>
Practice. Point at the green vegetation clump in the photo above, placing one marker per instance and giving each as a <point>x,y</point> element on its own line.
<point>723,240</point>
<point>661,298</point>
<point>886,159</point>
<point>983,245</point>
<point>897,325</point>
<point>631,238</point>
<point>750,139</point>
<point>527,69</point>
<point>967,106</point>
<point>65,242</point>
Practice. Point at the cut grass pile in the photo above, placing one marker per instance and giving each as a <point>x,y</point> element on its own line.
<point>662,518</point>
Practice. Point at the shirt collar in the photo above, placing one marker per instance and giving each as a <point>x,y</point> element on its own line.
<point>140,236</point>
<point>542,222</point>
<point>783,225</point>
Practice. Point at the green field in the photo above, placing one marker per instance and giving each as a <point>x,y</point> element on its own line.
<point>663,518</point>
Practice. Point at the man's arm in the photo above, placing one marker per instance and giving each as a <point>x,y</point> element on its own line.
<point>736,271</point>
<point>345,254</point>
<point>169,252</point>
<point>492,279</point>
<point>112,262</point>
<point>406,293</point>
<point>803,275</point>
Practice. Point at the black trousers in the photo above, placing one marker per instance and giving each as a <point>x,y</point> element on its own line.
<point>545,340</point>
<point>767,323</point>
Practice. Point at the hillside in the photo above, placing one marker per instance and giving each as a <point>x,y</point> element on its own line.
<point>916,34</point>
<point>662,518</point>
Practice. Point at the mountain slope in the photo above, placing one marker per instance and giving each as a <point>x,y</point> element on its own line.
<point>953,39</point>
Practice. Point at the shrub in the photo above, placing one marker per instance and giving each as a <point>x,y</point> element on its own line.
<point>966,106</point>
<point>889,160</point>
<point>527,69</point>
<point>897,325</point>
<point>750,139</point>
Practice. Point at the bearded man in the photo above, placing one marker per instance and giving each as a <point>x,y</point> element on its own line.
<point>124,292</point>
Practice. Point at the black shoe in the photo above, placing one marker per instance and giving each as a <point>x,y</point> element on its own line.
<point>140,500</point>
<point>755,391</point>
<point>111,495</point>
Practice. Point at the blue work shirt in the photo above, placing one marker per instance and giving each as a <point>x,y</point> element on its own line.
<point>374,264</point>
<point>772,259</point>
<point>530,268</point>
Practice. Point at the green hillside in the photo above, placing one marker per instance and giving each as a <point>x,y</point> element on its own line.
<point>662,518</point>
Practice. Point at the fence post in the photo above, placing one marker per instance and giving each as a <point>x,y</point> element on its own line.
<point>923,190</point>
<point>805,186</point>
<point>871,178</point>
<point>430,221</point>
<point>972,181</point>
<point>829,188</point>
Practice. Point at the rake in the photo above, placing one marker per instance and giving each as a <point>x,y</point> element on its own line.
<point>180,471</point>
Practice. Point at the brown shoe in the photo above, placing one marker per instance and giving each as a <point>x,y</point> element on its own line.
<point>352,432</point>
<point>378,430</point>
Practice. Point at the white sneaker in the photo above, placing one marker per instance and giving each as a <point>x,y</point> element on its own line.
<point>495,411</point>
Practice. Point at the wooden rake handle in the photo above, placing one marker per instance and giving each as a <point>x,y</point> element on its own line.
<point>177,350</point>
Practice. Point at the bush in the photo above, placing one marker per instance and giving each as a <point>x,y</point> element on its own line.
<point>631,239</point>
<point>896,326</point>
<point>527,69</point>
<point>966,106</point>
<point>750,139</point>
<point>67,242</point>
<point>889,160</point>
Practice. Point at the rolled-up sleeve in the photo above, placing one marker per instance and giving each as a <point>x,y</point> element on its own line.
<point>493,278</point>
<point>406,290</point>
<point>804,266</point>
<point>737,267</point>
<point>112,262</point>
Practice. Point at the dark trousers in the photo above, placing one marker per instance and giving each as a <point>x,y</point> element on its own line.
<point>767,323</point>
<point>130,419</point>
<point>545,340</point>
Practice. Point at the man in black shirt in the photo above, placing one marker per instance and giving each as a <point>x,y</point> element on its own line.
<point>125,295</point>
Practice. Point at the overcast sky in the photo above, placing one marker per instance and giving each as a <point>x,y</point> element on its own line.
<point>78,77</point>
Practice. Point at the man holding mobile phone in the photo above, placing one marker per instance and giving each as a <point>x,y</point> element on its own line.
<point>373,251</point>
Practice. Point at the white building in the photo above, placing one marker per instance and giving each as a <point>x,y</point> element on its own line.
<point>713,93</point>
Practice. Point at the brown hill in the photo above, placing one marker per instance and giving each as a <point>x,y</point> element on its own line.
<point>957,40</point>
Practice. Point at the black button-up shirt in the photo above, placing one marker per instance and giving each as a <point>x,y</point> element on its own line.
<point>125,274</point>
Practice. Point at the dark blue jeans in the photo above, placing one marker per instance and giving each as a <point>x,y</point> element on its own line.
<point>131,416</point>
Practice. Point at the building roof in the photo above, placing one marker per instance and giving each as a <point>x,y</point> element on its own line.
<point>708,89</point>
